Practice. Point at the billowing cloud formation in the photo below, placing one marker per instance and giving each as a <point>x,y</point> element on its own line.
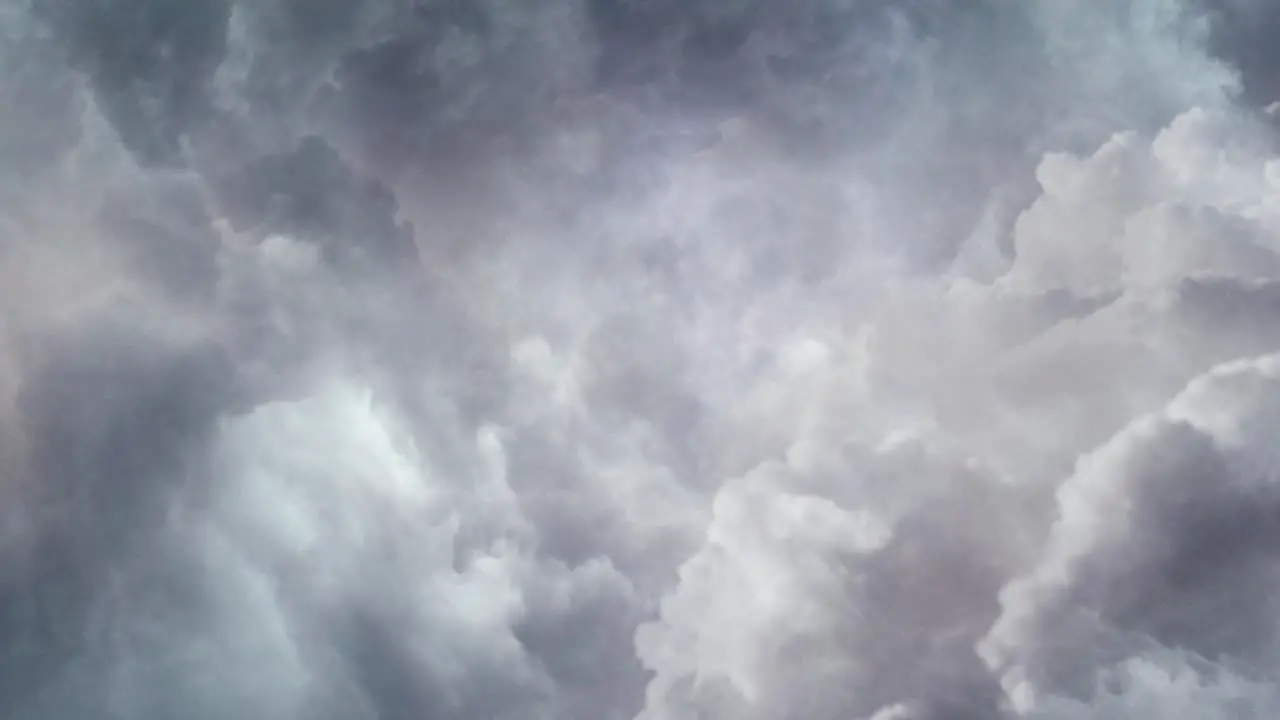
<point>592,359</point>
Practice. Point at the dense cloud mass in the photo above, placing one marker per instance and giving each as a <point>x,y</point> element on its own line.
<point>612,360</point>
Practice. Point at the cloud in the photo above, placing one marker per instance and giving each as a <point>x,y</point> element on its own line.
<point>600,360</point>
<point>1163,543</point>
<point>1137,558</point>
<point>150,64</point>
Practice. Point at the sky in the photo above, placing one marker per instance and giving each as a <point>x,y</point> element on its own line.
<point>621,360</point>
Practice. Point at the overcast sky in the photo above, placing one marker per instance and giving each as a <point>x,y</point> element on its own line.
<point>639,360</point>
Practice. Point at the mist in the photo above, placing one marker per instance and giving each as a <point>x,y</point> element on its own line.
<point>605,360</point>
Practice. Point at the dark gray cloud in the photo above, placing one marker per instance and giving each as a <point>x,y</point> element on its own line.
<point>115,421</point>
<point>150,64</point>
<point>311,193</point>
<point>1241,29</point>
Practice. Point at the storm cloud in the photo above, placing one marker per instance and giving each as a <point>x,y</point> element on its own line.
<point>598,359</point>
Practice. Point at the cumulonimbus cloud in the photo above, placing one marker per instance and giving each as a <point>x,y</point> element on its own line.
<point>588,359</point>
